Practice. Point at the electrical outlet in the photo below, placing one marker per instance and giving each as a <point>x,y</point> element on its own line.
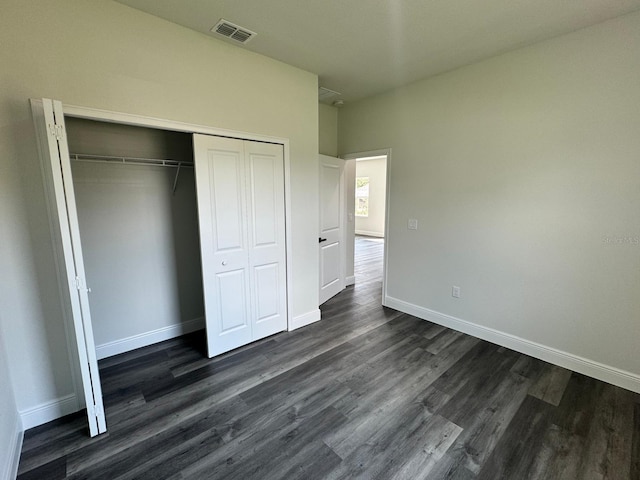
<point>413,224</point>
<point>455,291</point>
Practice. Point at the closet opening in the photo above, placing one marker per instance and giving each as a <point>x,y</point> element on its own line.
<point>162,231</point>
<point>137,213</point>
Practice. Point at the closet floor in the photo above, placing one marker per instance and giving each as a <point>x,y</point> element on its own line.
<point>367,392</point>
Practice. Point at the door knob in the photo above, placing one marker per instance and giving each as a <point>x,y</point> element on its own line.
<point>224,262</point>
<point>320,240</point>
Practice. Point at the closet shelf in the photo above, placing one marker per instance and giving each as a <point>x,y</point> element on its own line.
<point>83,157</point>
<point>156,162</point>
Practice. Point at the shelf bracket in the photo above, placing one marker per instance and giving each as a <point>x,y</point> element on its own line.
<point>175,181</point>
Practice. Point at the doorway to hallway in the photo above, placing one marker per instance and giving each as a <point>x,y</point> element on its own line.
<point>368,265</point>
<point>367,180</point>
<point>370,195</point>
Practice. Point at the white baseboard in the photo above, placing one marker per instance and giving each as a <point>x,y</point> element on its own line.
<point>369,234</point>
<point>10,471</point>
<point>148,338</point>
<point>305,319</point>
<point>591,368</point>
<point>45,412</point>
<point>350,280</point>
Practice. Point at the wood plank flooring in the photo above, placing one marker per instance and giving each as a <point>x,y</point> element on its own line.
<point>366,393</point>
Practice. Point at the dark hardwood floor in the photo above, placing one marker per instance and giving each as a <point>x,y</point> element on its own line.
<point>366,393</point>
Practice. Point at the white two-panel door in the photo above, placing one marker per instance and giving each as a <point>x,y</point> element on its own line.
<point>241,210</point>
<point>48,118</point>
<point>331,240</point>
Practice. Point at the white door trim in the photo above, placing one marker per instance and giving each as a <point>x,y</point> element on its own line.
<point>379,153</point>
<point>164,124</point>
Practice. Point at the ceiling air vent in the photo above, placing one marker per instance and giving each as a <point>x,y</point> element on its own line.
<point>233,31</point>
<point>326,95</point>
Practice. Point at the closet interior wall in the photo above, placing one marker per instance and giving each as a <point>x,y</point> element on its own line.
<point>139,237</point>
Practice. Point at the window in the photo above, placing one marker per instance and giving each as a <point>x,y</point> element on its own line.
<point>362,196</point>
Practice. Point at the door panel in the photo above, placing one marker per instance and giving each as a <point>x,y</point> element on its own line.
<point>219,168</point>
<point>95,408</point>
<point>227,171</point>
<point>265,188</point>
<point>267,280</point>
<point>331,244</point>
<point>48,118</point>
<point>330,191</point>
<point>264,200</point>
<point>330,267</point>
<point>232,301</point>
<point>240,189</point>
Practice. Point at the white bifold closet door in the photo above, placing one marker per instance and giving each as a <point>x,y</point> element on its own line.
<point>48,118</point>
<point>241,210</point>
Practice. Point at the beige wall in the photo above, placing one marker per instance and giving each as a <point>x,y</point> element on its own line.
<point>328,129</point>
<point>376,170</point>
<point>102,54</point>
<point>524,173</point>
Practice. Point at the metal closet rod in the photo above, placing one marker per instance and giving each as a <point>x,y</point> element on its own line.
<point>160,162</point>
<point>156,162</point>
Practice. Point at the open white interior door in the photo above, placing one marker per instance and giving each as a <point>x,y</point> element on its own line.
<point>54,152</point>
<point>331,240</point>
<point>241,211</point>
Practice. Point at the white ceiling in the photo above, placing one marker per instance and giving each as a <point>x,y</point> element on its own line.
<point>364,47</point>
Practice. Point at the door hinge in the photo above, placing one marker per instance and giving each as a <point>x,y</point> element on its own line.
<point>79,285</point>
<point>94,410</point>
<point>56,131</point>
